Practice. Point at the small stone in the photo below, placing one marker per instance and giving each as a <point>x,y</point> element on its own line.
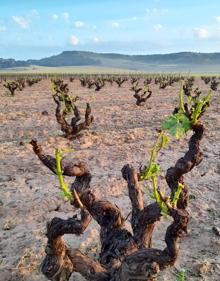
<point>192,196</point>
<point>203,267</point>
<point>9,224</point>
<point>130,137</point>
<point>216,230</point>
<point>6,178</point>
<point>50,140</point>
<point>86,143</point>
<point>12,204</point>
<point>45,113</point>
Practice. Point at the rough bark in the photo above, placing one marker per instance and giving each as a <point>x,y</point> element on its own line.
<point>73,129</point>
<point>57,264</point>
<point>11,86</point>
<point>120,81</point>
<point>99,84</point>
<point>145,263</point>
<point>184,165</point>
<point>141,95</point>
<point>142,98</point>
<point>143,219</point>
<point>90,269</point>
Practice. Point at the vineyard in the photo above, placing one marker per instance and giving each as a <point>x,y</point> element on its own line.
<point>109,177</point>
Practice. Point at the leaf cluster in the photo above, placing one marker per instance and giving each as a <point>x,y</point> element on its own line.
<point>187,115</point>
<point>60,89</point>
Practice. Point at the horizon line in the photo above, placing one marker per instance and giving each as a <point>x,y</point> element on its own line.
<point>114,53</point>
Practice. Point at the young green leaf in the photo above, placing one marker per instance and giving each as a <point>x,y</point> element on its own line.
<point>177,125</point>
<point>151,171</point>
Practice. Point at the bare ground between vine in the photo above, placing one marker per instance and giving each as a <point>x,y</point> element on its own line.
<point>122,133</point>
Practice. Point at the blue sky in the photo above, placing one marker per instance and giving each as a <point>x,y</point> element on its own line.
<point>40,28</point>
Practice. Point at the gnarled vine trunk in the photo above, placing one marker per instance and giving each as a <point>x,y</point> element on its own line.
<point>124,255</point>
<point>73,129</point>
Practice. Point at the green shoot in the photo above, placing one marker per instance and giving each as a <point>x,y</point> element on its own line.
<point>177,194</point>
<point>69,104</point>
<point>162,205</point>
<point>189,100</point>
<point>156,194</point>
<point>153,169</point>
<point>181,104</point>
<point>180,275</point>
<point>151,172</point>
<point>64,187</point>
<point>200,107</point>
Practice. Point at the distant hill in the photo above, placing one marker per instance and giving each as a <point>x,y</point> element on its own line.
<point>184,61</point>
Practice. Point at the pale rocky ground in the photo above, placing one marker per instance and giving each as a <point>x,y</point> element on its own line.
<point>122,133</point>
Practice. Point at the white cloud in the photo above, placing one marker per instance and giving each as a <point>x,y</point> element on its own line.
<point>217,19</point>
<point>55,17</point>
<point>201,33</point>
<point>33,13</point>
<point>96,40</point>
<point>74,40</point>
<point>156,11</point>
<point>79,24</point>
<point>22,22</point>
<point>2,28</point>
<point>115,24</point>
<point>145,16</point>
<point>65,15</point>
<point>158,27</point>
<point>217,32</point>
